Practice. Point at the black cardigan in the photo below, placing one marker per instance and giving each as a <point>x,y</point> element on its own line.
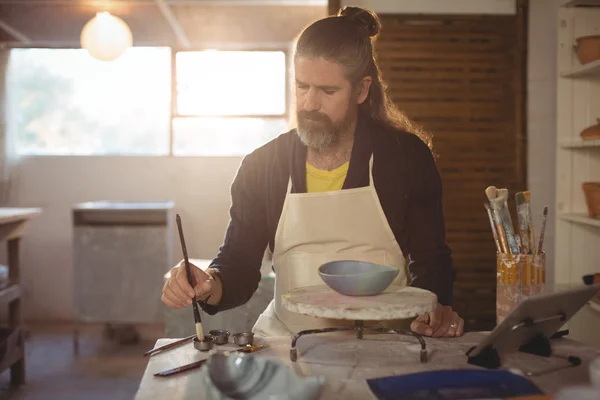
<point>406,180</point>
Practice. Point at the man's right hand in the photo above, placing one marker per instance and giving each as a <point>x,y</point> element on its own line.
<point>178,293</point>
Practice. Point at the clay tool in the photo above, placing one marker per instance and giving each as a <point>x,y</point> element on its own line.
<point>170,345</point>
<point>491,194</point>
<point>542,230</point>
<point>198,364</point>
<point>498,205</point>
<point>523,201</point>
<point>493,226</point>
<point>190,278</point>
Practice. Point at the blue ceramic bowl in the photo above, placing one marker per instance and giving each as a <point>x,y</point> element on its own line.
<point>357,278</point>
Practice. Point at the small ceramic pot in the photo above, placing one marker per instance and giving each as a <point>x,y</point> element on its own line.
<point>220,336</point>
<point>587,48</point>
<point>204,345</point>
<point>243,338</point>
<point>591,132</point>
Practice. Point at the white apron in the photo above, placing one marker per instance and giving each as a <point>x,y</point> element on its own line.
<point>315,228</point>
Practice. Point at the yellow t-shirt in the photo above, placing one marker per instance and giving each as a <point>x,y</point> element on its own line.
<point>318,180</point>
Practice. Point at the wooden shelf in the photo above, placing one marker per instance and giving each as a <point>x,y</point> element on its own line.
<point>590,69</point>
<point>9,293</point>
<point>581,219</point>
<point>580,144</point>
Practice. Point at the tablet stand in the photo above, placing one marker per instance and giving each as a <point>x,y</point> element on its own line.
<point>539,345</point>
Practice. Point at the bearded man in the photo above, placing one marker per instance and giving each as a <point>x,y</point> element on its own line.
<point>355,180</point>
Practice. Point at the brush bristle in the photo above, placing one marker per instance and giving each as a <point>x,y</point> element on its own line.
<point>519,198</point>
<point>491,192</point>
<point>199,331</point>
<point>497,203</point>
<point>502,195</point>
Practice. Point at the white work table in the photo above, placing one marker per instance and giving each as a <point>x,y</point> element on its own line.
<point>346,362</point>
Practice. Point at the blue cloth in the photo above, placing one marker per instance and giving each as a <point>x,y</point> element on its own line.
<point>453,385</point>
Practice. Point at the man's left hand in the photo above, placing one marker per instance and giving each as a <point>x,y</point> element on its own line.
<point>441,322</point>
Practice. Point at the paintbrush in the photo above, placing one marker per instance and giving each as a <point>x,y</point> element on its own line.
<point>491,194</point>
<point>494,231</point>
<point>170,345</point>
<point>499,206</point>
<point>190,278</point>
<point>504,193</point>
<point>542,230</point>
<point>523,201</point>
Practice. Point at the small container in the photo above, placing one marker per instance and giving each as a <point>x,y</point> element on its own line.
<point>519,276</point>
<point>587,48</point>
<point>204,345</point>
<point>243,338</point>
<point>221,336</point>
<point>591,190</point>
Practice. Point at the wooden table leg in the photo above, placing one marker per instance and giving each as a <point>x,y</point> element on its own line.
<point>17,370</point>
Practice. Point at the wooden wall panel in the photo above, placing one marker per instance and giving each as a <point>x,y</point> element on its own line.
<point>462,78</point>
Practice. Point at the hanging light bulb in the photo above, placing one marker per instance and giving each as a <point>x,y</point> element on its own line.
<point>106,37</point>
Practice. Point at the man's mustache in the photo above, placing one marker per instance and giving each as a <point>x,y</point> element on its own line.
<point>313,116</point>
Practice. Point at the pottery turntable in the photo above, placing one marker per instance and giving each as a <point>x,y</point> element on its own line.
<point>353,295</point>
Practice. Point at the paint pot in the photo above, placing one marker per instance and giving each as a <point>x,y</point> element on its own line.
<point>204,345</point>
<point>243,338</point>
<point>221,336</point>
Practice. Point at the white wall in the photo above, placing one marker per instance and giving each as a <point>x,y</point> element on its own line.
<point>541,115</point>
<point>198,186</point>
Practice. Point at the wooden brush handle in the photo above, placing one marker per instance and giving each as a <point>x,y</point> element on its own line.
<point>498,204</point>
<point>510,234</point>
<point>494,229</point>
<point>522,216</point>
<point>501,233</point>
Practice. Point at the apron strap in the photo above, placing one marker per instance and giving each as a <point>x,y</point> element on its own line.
<point>371,171</point>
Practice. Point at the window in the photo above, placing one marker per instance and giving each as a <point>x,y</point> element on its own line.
<point>228,102</point>
<point>63,102</point>
<point>222,83</point>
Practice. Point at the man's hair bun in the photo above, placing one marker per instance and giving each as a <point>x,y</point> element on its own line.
<point>364,19</point>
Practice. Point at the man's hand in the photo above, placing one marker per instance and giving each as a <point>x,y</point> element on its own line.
<point>177,292</point>
<point>440,322</point>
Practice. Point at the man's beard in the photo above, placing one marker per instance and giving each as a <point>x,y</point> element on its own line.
<point>316,130</point>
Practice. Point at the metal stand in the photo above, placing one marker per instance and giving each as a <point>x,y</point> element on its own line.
<point>359,327</point>
<point>539,345</point>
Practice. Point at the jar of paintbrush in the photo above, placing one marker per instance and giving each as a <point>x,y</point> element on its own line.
<point>520,260</point>
<point>518,276</point>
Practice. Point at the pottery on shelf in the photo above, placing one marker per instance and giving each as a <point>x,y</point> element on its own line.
<point>587,48</point>
<point>591,132</point>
